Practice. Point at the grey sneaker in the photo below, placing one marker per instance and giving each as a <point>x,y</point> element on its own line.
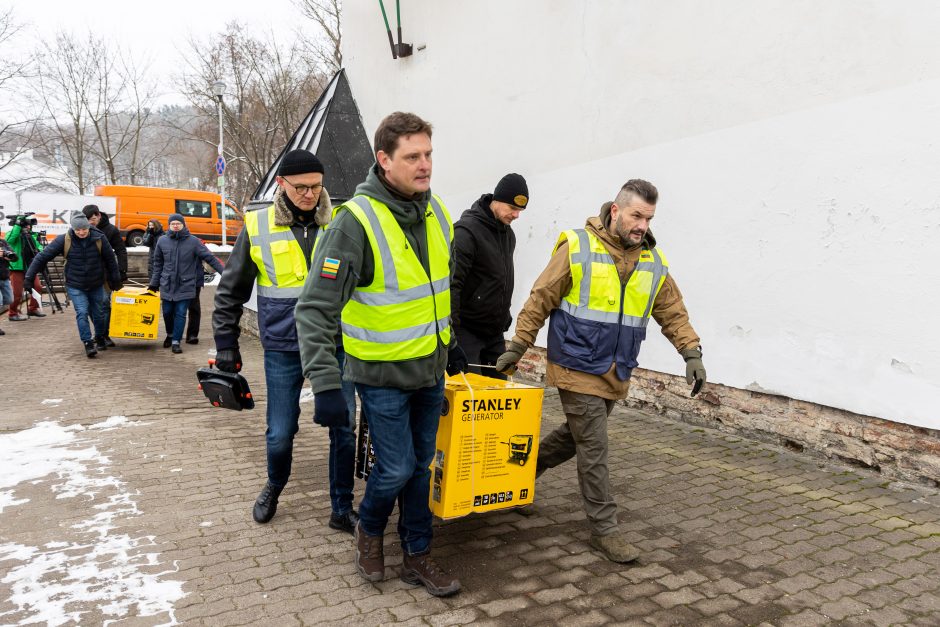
<point>615,547</point>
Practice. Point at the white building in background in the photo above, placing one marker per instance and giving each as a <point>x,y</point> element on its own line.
<point>20,172</point>
<point>795,146</point>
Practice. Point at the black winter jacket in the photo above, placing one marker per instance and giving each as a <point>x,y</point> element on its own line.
<point>85,267</point>
<point>178,258</point>
<point>114,238</point>
<point>5,261</point>
<point>151,235</point>
<point>481,291</point>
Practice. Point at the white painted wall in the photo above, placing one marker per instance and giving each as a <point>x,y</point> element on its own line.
<point>794,145</point>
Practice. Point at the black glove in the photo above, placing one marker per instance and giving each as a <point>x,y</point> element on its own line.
<point>508,360</point>
<point>329,409</point>
<point>228,360</point>
<point>153,289</point>
<point>123,277</point>
<point>694,368</point>
<point>456,360</point>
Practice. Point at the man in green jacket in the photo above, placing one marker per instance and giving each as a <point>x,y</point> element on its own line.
<point>23,229</point>
<point>384,263</point>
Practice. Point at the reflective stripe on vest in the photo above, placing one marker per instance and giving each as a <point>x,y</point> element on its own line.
<point>403,312</point>
<point>600,321</point>
<point>282,268</point>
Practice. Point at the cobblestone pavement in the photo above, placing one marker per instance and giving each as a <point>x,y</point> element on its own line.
<point>146,518</point>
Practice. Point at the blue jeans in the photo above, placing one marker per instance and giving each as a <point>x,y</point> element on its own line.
<point>284,377</point>
<point>403,427</point>
<point>6,292</point>
<point>88,303</point>
<point>174,317</point>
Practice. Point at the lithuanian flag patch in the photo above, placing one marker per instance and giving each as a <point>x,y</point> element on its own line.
<point>330,268</point>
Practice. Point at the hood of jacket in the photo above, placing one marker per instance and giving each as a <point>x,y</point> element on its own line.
<point>406,212</point>
<point>481,213</point>
<point>104,222</point>
<point>600,225</point>
<point>283,216</point>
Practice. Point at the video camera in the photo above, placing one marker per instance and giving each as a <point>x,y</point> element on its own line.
<point>23,219</point>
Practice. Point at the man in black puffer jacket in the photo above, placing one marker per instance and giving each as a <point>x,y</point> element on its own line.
<point>89,259</point>
<point>100,221</point>
<point>481,292</point>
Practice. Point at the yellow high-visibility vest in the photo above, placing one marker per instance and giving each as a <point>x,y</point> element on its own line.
<point>600,321</point>
<point>404,312</point>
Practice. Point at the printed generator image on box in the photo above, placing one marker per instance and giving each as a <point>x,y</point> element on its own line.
<point>487,444</point>
<point>135,315</point>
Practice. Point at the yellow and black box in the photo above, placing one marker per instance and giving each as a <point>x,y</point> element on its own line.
<point>135,314</point>
<point>487,444</point>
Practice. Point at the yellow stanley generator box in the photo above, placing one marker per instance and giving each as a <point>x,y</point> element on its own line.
<point>135,315</point>
<point>487,444</point>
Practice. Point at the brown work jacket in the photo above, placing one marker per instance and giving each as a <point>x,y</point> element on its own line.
<point>555,282</point>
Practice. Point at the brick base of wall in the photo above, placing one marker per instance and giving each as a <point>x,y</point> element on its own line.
<point>895,450</point>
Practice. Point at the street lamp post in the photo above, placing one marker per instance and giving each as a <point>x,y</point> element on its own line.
<point>218,90</point>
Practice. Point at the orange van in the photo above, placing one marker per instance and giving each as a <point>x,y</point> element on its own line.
<point>137,205</point>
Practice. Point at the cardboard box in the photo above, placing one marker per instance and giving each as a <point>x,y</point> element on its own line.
<point>135,315</point>
<point>487,444</point>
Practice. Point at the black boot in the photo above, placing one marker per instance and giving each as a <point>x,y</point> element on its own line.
<point>167,342</point>
<point>345,522</point>
<point>266,504</point>
<point>176,348</point>
<point>90,350</point>
<point>109,342</point>
<point>100,343</point>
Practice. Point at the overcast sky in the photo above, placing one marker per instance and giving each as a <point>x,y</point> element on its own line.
<point>156,29</point>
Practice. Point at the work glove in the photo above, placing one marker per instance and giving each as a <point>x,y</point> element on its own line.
<point>153,289</point>
<point>228,360</point>
<point>117,287</point>
<point>508,360</point>
<point>329,408</point>
<point>456,360</point>
<point>694,368</point>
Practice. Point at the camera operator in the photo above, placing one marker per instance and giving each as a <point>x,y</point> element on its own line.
<point>89,259</point>
<point>6,290</point>
<point>100,221</point>
<point>24,244</point>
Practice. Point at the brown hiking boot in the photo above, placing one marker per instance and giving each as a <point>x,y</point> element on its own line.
<point>421,569</point>
<point>370,558</point>
<point>615,547</point>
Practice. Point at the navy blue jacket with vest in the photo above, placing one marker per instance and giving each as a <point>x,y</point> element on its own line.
<point>177,258</point>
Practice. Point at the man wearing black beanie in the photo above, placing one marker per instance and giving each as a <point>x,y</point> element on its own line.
<point>274,251</point>
<point>481,292</point>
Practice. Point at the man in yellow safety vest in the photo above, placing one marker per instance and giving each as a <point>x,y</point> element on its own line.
<point>600,288</point>
<point>384,265</point>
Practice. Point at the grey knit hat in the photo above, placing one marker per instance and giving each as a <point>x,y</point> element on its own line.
<point>79,221</point>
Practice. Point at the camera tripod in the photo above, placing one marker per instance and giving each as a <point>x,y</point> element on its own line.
<point>26,239</point>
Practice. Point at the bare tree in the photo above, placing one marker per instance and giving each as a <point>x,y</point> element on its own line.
<point>327,48</point>
<point>17,123</point>
<point>270,87</point>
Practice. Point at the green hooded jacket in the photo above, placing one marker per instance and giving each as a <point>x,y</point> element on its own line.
<point>322,299</point>
<point>16,243</point>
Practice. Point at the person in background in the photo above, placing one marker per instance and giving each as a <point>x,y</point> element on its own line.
<point>100,221</point>
<point>481,292</point>
<point>89,260</point>
<point>151,235</point>
<point>178,256</point>
<point>6,290</point>
<point>23,229</point>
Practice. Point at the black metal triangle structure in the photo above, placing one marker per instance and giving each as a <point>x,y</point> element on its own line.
<point>332,131</point>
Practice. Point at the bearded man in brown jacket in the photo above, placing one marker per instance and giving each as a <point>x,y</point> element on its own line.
<point>600,288</point>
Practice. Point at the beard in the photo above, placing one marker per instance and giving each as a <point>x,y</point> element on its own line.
<point>627,237</point>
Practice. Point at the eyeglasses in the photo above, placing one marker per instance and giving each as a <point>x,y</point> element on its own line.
<point>303,189</point>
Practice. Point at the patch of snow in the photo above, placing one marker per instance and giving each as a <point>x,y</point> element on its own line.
<point>51,401</point>
<point>207,523</point>
<point>115,573</point>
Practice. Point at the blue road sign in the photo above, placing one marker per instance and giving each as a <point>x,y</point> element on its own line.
<point>220,165</point>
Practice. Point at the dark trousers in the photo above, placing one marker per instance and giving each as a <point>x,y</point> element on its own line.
<point>195,315</point>
<point>584,435</point>
<point>16,280</point>
<point>482,350</point>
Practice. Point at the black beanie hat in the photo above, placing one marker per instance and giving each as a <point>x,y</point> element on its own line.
<point>90,210</point>
<point>299,161</point>
<point>512,189</point>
